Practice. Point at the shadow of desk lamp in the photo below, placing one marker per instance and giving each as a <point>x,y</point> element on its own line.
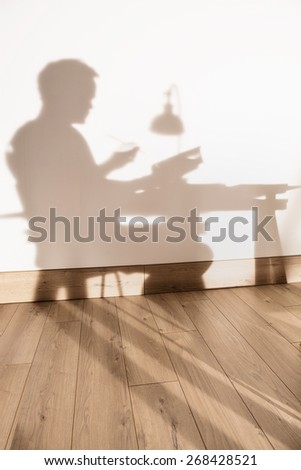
<point>169,123</point>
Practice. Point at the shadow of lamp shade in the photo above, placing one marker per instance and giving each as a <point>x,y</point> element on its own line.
<point>167,123</point>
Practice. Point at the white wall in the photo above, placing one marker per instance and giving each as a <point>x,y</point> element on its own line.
<point>237,66</point>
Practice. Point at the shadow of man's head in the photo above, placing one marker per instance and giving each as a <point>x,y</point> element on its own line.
<point>67,88</point>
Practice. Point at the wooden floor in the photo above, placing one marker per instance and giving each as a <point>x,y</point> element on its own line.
<point>219,369</point>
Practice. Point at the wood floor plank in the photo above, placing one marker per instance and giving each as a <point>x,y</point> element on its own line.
<point>66,310</point>
<point>103,413</point>
<point>20,339</point>
<point>163,419</point>
<point>296,310</point>
<point>45,416</point>
<point>276,351</point>
<point>145,354</point>
<point>295,287</point>
<point>185,297</point>
<point>240,381</point>
<point>273,405</point>
<point>7,311</point>
<point>283,294</point>
<point>169,314</point>
<point>275,314</point>
<point>222,418</point>
<point>12,380</point>
<point>297,345</point>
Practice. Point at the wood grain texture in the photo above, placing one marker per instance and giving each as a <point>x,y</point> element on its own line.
<point>7,311</point>
<point>245,272</point>
<point>296,310</point>
<point>273,405</point>
<point>185,297</point>
<point>173,277</point>
<point>295,287</point>
<point>284,294</point>
<point>276,351</point>
<point>163,419</point>
<point>226,367</point>
<point>272,312</point>
<point>20,339</point>
<point>63,284</point>
<point>103,414</point>
<point>221,416</point>
<point>146,358</point>
<point>292,269</point>
<point>12,380</point>
<point>45,416</point>
<point>169,313</point>
<point>221,273</point>
<point>66,310</point>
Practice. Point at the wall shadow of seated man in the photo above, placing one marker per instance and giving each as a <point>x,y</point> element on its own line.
<point>53,165</point>
<point>54,168</point>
